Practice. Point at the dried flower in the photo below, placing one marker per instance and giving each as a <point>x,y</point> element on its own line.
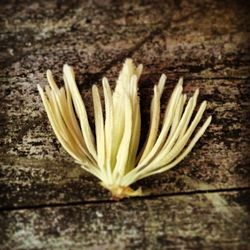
<point>111,155</point>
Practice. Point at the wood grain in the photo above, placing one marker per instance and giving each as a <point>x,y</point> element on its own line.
<point>211,221</point>
<point>51,202</point>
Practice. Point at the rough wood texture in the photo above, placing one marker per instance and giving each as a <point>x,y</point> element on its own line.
<point>198,221</point>
<point>50,201</point>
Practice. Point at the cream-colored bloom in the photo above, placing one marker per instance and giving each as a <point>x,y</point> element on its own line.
<point>112,154</point>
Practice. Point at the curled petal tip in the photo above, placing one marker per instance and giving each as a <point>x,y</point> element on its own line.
<point>180,82</point>
<point>66,67</point>
<point>209,119</point>
<point>39,87</point>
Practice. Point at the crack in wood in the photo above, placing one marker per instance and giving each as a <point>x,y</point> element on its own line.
<point>107,201</point>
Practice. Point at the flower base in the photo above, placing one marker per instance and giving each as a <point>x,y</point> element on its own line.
<point>120,192</point>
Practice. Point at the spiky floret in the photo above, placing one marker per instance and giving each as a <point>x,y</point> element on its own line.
<point>112,155</point>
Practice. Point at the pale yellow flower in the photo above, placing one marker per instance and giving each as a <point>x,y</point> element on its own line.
<point>112,154</point>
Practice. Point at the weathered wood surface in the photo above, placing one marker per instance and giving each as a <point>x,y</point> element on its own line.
<point>207,42</point>
<point>210,221</point>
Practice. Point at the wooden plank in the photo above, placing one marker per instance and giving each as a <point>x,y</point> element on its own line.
<point>220,159</point>
<point>199,43</point>
<point>88,34</point>
<point>178,41</point>
<point>48,202</point>
<point>200,221</point>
